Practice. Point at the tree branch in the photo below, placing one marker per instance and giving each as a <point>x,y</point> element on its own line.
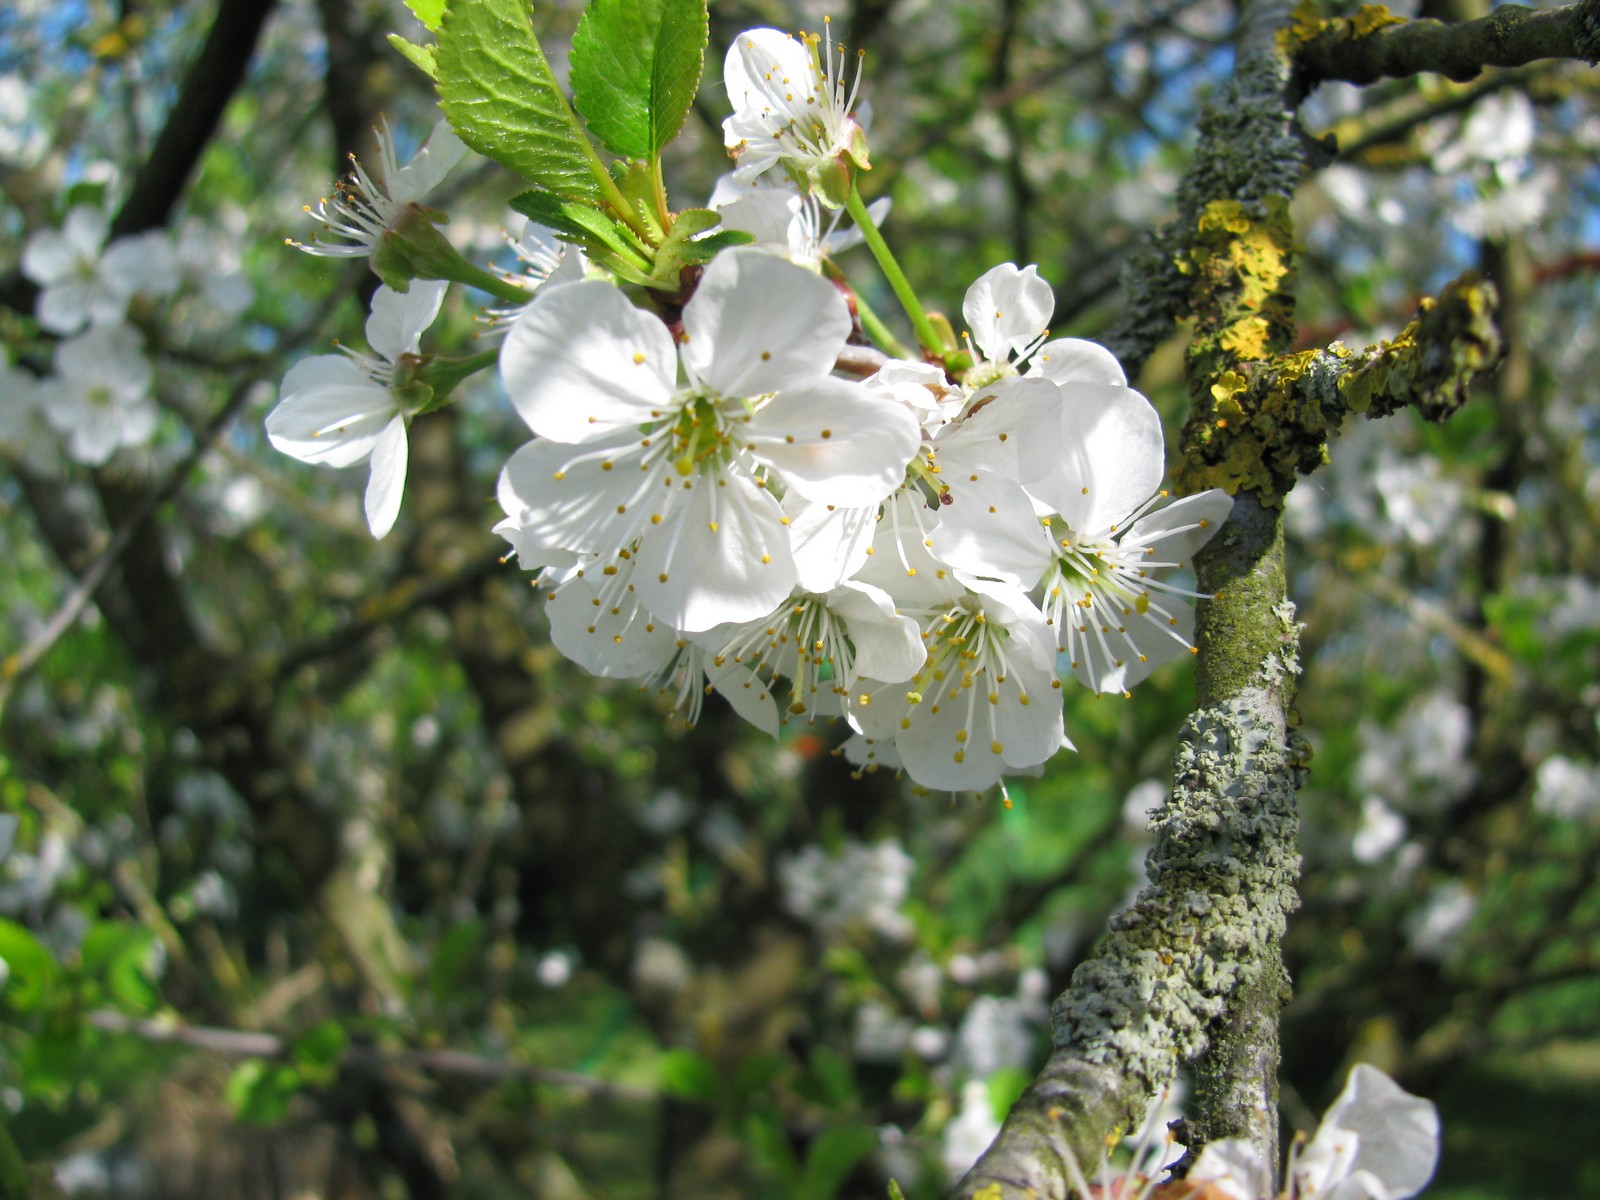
<point>212,79</point>
<point>458,1064</point>
<point>1260,424</point>
<point>1511,36</point>
<point>1195,959</point>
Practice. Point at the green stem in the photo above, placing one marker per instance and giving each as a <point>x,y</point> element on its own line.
<point>444,374</point>
<point>487,281</point>
<point>926,333</point>
<point>660,184</point>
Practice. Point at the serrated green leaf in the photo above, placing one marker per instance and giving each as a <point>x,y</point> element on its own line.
<point>635,67</point>
<point>429,12</point>
<point>601,236</point>
<point>497,91</point>
<point>420,57</point>
<point>680,248</point>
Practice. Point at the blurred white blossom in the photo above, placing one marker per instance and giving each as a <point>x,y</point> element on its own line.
<point>855,885</point>
<point>99,396</point>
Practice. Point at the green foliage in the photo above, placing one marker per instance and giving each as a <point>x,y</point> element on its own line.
<point>421,57</point>
<point>260,1092</point>
<point>429,12</point>
<point>688,1074</point>
<point>602,236</point>
<point>635,68</point>
<point>497,90</point>
<point>30,968</point>
<point>116,955</point>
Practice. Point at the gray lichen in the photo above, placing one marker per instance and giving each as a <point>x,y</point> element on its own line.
<point>1222,883</point>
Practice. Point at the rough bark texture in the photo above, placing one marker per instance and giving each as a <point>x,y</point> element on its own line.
<point>1195,961</point>
<point>1511,36</point>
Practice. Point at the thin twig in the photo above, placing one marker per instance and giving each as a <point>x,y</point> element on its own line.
<point>459,1064</point>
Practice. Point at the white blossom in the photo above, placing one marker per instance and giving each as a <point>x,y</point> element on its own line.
<point>339,409</point>
<point>852,886</point>
<point>98,398</point>
<point>1567,789</point>
<point>1377,1142</point>
<point>786,223</point>
<point>362,209</point>
<point>683,476</point>
<point>971,1130</point>
<point>83,281</point>
<point>983,704</point>
<point>791,107</point>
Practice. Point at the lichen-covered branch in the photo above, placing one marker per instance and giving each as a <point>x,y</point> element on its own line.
<point>1223,871</point>
<point>1372,45</point>
<point>1261,424</point>
<point>1195,958</point>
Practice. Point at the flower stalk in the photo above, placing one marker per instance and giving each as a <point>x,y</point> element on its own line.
<point>927,335</point>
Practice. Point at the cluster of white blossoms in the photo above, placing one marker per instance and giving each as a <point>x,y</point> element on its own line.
<point>712,505</point>
<point>94,290</point>
<point>919,554</point>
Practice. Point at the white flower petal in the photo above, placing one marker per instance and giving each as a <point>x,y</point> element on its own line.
<point>835,442</point>
<point>888,646</point>
<point>1076,360</point>
<point>436,159</point>
<point>1396,1139</point>
<point>984,702</point>
<point>902,562</point>
<point>582,360</point>
<point>596,620</point>
<point>829,542</point>
<point>388,480</point>
<point>331,412</point>
<point>564,496</point>
<point>722,558</point>
<point>989,529</point>
<point>1182,527</point>
<point>1232,1168</point>
<point>398,319</point>
<point>1109,458</point>
<point>144,264</point>
<point>757,324</point>
<point>1007,309</point>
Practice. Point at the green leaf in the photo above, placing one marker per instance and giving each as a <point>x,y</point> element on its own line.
<point>421,56</point>
<point>685,1073</point>
<point>602,237</point>
<point>681,248</point>
<point>635,67</point>
<point>832,1156</point>
<point>259,1092</point>
<point>429,12</point>
<point>499,95</point>
<point>317,1052</point>
<point>1005,1088</point>
<point>30,969</point>
<point>118,954</point>
<point>770,1145</point>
